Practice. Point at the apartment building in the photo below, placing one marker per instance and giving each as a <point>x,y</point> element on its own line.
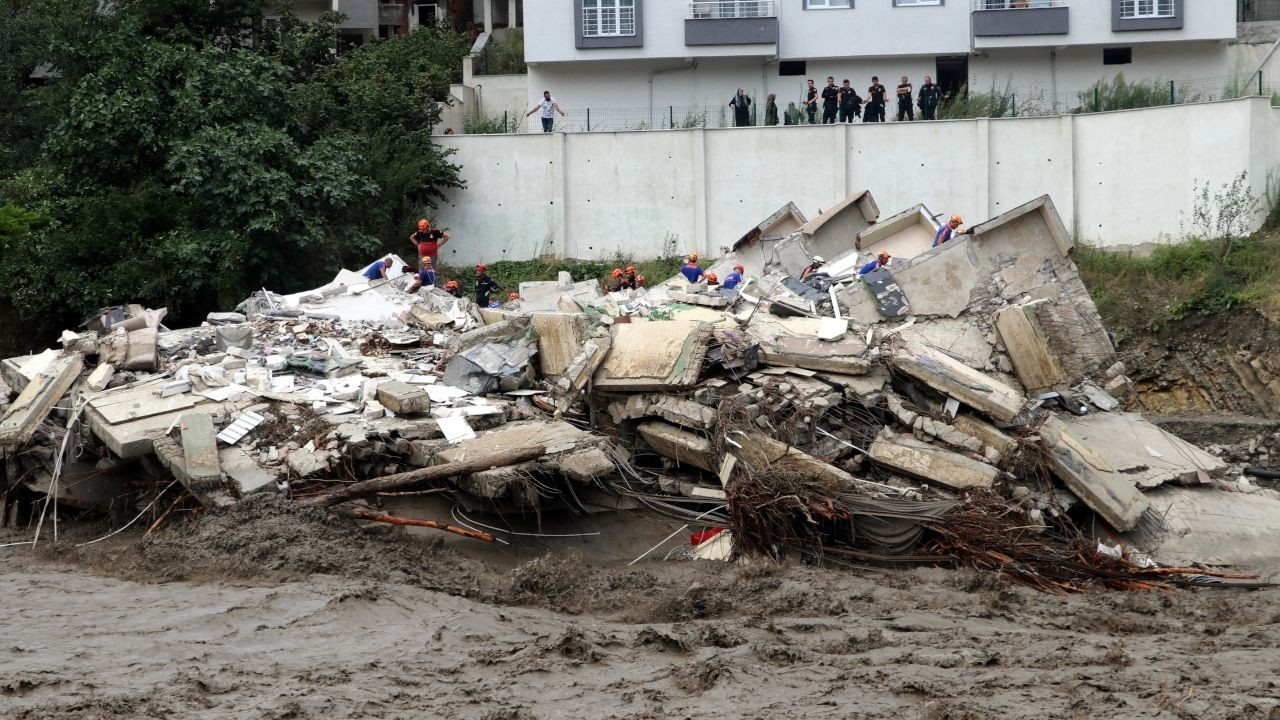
<point>659,53</point>
<point>370,19</point>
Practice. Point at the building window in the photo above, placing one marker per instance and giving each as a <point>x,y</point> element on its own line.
<point>608,18</point>
<point>1117,56</point>
<point>1143,9</point>
<point>913,3</point>
<point>791,67</point>
<point>827,4</point>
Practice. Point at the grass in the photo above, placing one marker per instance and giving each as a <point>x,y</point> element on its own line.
<point>1197,277</point>
<point>510,273</point>
<point>504,58</point>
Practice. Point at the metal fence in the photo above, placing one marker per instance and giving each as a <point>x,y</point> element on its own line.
<point>1112,94</point>
<point>1257,10</point>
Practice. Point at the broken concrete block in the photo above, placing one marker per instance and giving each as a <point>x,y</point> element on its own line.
<point>304,463</point>
<point>1109,493</point>
<point>1099,397</point>
<point>680,445</point>
<point>245,473</point>
<point>1144,453</point>
<point>680,411</point>
<point>373,410</point>
<point>1194,526</point>
<point>989,434</point>
<point>715,301</point>
<point>224,318</point>
<point>140,350</point>
<point>403,398</point>
<point>200,453</point>
<point>932,464</point>
<point>955,379</point>
<point>237,336</point>
<point>654,356</point>
<point>100,377</point>
<point>1028,346</point>
<point>37,399</point>
<point>1118,387</point>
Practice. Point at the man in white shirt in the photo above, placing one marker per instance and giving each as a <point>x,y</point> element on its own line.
<point>546,105</point>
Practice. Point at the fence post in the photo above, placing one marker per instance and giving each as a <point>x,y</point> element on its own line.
<point>671,117</point>
<point>506,126</point>
<point>1172,97</point>
<point>588,119</point>
<point>1014,98</point>
<point>1097,103</point>
<point>1260,82</point>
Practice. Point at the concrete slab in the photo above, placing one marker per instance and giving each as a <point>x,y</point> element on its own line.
<point>559,341</point>
<point>1028,347</point>
<point>678,410</point>
<point>684,447</point>
<point>904,235</point>
<point>1111,494</point>
<point>556,437</point>
<point>245,473</point>
<point>932,464</point>
<point>1143,452</point>
<point>82,486</point>
<point>37,399</point>
<point>955,379</point>
<point>402,398</point>
<point>654,356</point>
<point>1209,526</point>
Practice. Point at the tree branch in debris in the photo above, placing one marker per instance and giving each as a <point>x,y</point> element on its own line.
<point>403,480</point>
<point>394,520</point>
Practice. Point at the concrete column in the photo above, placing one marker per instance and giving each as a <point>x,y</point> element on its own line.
<point>561,245</point>
<point>982,162</point>
<point>511,13</point>
<point>840,142</point>
<point>698,187</point>
<point>1067,206</point>
<point>488,15</point>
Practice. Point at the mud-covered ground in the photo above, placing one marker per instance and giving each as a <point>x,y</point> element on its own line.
<point>271,611</point>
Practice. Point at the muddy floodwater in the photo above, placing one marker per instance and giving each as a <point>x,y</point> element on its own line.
<point>271,611</point>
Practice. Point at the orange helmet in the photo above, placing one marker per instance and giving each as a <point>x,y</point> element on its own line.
<point>423,224</point>
<point>426,260</point>
<point>513,296</point>
<point>883,256</point>
<point>640,279</point>
<point>451,284</point>
<point>617,272</point>
<point>631,270</point>
<point>957,219</point>
<point>711,278</point>
<point>693,256</point>
<point>481,267</point>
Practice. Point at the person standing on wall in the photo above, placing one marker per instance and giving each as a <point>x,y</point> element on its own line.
<point>545,106</point>
<point>876,99</point>
<point>930,96</point>
<point>830,97</point>
<point>771,110</point>
<point>811,102</point>
<point>850,103</point>
<point>905,91</point>
<point>741,105</point>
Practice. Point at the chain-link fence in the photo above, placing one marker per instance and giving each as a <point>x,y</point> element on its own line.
<point>1111,94</point>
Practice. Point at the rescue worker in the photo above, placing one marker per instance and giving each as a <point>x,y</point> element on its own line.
<point>639,281</point>
<point>691,270</point>
<point>629,276</point>
<point>513,300</point>
<point>426,275</point>
<point>930,96</point>
<point>712,281</point>
<point>811,102</point>
<point>617,280</point>
<point>850,103</point>
<point>453,289</point>
<point>813,267</point>
<point>733,279</point>
<point>379,269</point>
<point>428,240</point>
<point>904,100</point>
<point>876,99</point>
<point>485,285</point>
<point>949,230</point>
<point>830,97</point>
<point>882,260</point>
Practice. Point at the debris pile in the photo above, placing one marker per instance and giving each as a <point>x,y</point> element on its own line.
<point>898,403</point>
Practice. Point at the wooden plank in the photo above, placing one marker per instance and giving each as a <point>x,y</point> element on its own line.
<point>1037,367</point>
<point>955,379</point>
<point>38,398</point>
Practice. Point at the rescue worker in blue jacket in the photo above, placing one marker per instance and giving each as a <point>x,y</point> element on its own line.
<point>949,230</point>
<point>882,260</point>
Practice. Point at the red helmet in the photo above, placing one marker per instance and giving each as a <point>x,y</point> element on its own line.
<point>711,278</point>
<point>481,267</point>
<point>631,270</point>
<point>451,284</point>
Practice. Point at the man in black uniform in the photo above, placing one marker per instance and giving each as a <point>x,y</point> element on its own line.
<point>850,103</point>
<point>930,96</point>
<point>874,111</point>
<point>811,102</point>
<point>830,93</point>
<point>904,100</point>
<point>485,286</point>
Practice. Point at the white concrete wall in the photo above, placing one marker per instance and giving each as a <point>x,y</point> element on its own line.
<point>1090,23</point>
<point>1123,178</point>
<point>872,28</point>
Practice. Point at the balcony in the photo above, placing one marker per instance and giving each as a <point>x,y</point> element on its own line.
<point>998,18</point>
<point>731,22</point>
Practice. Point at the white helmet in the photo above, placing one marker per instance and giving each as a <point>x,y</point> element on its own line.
<point>818,259</point>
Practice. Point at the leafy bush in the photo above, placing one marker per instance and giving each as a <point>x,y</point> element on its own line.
<point>505,57</point>
<point>1119,94</point>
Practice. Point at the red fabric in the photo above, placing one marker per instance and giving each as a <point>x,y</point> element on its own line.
<point>702,536</point>
<point>428,248</point>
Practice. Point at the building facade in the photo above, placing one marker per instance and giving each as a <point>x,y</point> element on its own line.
<point>653,55</point>
<point>370,19</point>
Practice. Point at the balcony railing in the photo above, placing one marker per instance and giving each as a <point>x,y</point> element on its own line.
<point>731,9</point>
<point>979,5</point>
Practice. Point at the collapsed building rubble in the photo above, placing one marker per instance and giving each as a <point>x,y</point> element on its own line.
<point>962,406</point>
